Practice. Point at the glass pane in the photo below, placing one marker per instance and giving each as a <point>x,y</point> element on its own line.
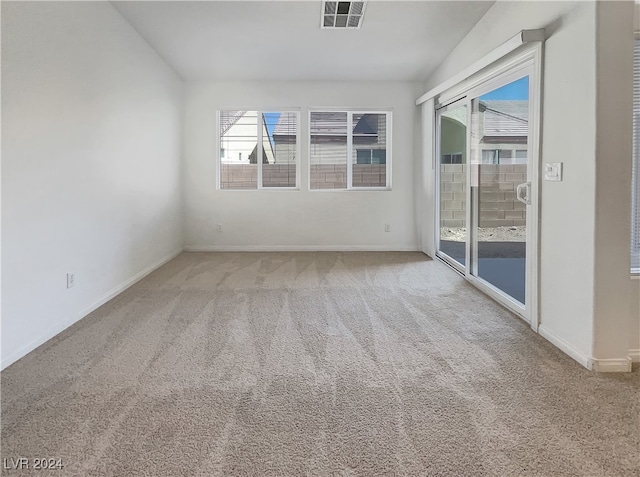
<point>356,8</point>
<point>279,140</point>
<point>353,21</point>
<point>369,150</point>
<point>635,188</point>
<point>328,141</point>
<point>500,125</point>
<point>238,149</point>
<point>343,7</point>
<point>453,182</point>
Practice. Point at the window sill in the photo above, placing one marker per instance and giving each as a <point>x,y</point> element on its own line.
<point>355,189</point>
<point>267,189</point>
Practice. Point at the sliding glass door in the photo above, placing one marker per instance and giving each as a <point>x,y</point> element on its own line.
<point>484,181</point>
<point>501,187</point>
<point>452,184</point>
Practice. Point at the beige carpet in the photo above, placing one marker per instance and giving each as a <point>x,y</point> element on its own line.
<point>292,364</point>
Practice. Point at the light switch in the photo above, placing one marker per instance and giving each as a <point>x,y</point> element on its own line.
<point>553,171</point>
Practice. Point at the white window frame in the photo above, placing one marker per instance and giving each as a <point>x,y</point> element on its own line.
<point>350,112</point>
<point>260,113</point>
<point>635,187</point>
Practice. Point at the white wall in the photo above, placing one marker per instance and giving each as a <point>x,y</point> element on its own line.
<point>500,23</point>
<point>303,219</point>
<point>569,243</point>
<point>567,215</point>
<point>90,164</point>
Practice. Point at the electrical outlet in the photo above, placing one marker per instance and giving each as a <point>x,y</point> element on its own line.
<point>219,227</point>
<point>71,280</point>
<point>387,227</point>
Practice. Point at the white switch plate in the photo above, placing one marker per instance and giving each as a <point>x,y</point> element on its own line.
<point>71,280</point>
<point>553,171</point>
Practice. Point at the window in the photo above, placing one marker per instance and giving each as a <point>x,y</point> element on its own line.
<point>497,156</point>
<point>342,14</point>
<point>635,185</point>
<point>245,137</point>
<point>371,156</point>
<point>452,158</point>
<point>349,150</point>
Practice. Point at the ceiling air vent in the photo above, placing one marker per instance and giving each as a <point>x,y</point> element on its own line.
<point>342,14</point>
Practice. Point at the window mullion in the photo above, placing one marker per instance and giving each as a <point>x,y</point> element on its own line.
<point>219,149</point>
<point>298,161</point>
<point>259,148</point>
<point>349,150</point>
<point>388,150</point>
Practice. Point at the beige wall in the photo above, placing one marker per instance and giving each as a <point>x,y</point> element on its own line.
<point>614,113</point>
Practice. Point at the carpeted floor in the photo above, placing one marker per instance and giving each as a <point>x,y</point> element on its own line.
<point>292,364</point>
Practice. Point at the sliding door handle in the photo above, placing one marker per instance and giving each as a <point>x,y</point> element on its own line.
<point>525,197</point>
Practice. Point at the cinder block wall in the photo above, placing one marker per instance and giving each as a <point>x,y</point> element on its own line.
<point>238,176</point>
<point>328,176</point>
<point>323,176</point>
<point>278,175</point>
<point>453,186</point>
<point>334,176</point>
<point>498,204</point>
<point>369,175</point>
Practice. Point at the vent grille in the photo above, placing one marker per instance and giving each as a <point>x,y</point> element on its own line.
<point>341,14</point>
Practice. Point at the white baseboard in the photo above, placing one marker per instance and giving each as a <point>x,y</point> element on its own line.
<point>622,365</point>
<point>40,340</point>
<point>300,248</point>
<point>634,355</point>
<point>63,325</point>
<point>565,347</point>
<point>617,365</point>
<point>128,283</point>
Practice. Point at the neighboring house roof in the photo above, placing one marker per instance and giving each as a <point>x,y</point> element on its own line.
<point>367,125</point>
<point>503,120</point>
<point>228,119</point>
<point>329,124</point>
<point>506,119</point>
<point>286,125</point>
<point>244,142</point>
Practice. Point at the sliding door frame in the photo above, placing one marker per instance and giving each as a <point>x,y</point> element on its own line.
<point>442,255</point>
<point>526,61</point>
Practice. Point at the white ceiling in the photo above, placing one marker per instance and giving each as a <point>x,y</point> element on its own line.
<point>264,40</point>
